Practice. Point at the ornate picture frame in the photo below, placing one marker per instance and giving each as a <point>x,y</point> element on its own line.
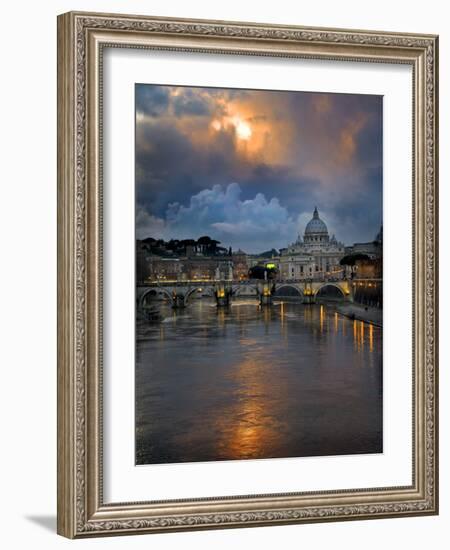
<point>82,38</point>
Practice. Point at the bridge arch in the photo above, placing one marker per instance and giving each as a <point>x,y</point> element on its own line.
<point>154,292</point>
<point>327,284</point>
<point>297,291</point>
<point>206,290</point>
<point>238,289</point>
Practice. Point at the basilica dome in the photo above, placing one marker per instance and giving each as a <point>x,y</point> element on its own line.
<point>316,226</point>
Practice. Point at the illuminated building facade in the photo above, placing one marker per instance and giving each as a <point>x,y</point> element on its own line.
<point>315,256</point>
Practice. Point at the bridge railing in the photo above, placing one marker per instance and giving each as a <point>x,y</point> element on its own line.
<point>204,282</point>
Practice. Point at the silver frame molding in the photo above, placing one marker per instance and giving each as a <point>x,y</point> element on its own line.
<point>81,39</point>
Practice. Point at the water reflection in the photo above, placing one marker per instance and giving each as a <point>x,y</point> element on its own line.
<point>256,382</point>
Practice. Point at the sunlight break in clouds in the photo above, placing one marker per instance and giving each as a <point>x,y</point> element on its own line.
<point>289,151</point>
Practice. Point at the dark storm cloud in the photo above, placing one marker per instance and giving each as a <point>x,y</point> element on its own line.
<point>170,168</point>
<point>151,100</point>
<point>188,103</point>
<point>282,152</point>
<point>281,181</point>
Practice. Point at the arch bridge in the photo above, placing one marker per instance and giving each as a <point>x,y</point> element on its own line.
<point>181,293</point>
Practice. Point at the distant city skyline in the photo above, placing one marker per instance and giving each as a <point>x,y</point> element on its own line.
<point>247,167</point>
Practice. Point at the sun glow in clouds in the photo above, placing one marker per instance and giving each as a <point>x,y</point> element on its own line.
<point>300,148</point>
<point>242,129</point>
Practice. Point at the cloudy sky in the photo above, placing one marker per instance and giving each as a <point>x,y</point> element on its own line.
<point>247,167</point>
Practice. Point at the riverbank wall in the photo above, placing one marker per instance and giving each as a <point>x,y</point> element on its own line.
<point>367,314</point>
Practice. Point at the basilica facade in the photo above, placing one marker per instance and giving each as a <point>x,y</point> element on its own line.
<point>315,256</point>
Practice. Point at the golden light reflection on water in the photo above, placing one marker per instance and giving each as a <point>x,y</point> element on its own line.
<point>221,316</point>
<point>246,429</point>
<point>252,394</point>
<point>360,340</point>
<point>307,315</point>
<point>266,313</point>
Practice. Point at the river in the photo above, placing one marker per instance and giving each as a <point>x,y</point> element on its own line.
<point>250,382</point>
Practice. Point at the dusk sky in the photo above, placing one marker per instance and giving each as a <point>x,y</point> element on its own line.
<point>247,167</point>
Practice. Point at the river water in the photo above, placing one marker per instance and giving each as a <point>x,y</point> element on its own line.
<point>248,382</point>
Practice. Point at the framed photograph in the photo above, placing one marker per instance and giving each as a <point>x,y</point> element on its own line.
<point>247,285</point>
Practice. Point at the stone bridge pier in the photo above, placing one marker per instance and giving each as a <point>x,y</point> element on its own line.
<point>223,293</point>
